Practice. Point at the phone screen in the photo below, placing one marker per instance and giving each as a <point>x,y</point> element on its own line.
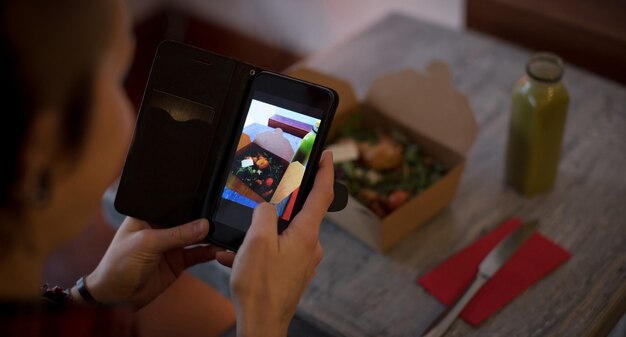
<point>270,160</point>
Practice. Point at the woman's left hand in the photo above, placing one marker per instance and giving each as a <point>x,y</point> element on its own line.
<point>142,262</point>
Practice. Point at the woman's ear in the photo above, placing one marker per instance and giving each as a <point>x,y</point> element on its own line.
<point>39,158</point>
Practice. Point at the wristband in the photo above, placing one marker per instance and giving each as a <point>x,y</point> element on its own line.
<point>84,293</point>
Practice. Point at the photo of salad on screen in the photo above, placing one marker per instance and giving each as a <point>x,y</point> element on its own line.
<point>271,157</point>
<point>259,169</point>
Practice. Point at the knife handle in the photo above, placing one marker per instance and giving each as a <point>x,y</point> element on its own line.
<point>445,323</point>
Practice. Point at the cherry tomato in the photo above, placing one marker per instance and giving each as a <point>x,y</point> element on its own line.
<point>269,181</point>
<point>396,199</point>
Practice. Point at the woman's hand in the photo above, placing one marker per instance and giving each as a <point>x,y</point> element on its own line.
<point>142,262</point>
<point>271,271</point>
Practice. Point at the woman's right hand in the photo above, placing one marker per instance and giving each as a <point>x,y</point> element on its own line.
<point>271,271</point>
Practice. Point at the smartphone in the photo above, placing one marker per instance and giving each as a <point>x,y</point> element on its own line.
<point>215,137</point>
<point>275,155</point>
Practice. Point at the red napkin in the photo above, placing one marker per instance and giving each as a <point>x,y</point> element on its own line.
<point>536,258</point>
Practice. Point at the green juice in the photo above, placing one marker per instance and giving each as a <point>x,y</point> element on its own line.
<point>538,112</point>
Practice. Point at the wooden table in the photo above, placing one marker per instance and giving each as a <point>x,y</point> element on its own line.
<point>359,292</point>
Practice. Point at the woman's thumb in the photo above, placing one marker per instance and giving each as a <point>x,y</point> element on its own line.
<point>181,236</point>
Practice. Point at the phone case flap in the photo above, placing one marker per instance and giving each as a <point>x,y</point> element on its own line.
<point>186,120</point>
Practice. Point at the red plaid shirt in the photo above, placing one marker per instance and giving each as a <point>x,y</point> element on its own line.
<point>35,319</point>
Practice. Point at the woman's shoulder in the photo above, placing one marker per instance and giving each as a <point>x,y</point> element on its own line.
<point>37,319</point>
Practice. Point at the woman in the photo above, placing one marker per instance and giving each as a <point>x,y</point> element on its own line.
<point>65,130</point>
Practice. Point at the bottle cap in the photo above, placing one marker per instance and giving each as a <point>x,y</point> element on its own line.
<point>545,67</point>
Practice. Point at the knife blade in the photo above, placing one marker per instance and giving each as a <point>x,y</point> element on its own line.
<point>488,267</point>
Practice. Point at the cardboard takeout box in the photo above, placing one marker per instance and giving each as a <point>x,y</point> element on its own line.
<point>434,115</point>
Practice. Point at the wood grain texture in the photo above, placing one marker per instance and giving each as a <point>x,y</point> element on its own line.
<point>359,292</point>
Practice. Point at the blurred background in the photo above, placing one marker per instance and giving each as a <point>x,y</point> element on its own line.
<point>275,34</point>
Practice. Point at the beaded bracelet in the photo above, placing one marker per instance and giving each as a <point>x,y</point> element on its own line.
<point>56,295</point>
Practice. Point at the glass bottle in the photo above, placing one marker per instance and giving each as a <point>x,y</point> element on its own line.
<point>538,112</point>
<point>304,150</point>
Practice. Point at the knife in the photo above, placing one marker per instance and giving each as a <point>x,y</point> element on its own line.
<point>488,267</point>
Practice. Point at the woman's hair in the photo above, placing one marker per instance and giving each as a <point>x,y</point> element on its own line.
<point>48,53</point>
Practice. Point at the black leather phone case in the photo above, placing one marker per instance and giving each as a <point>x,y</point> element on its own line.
<point>185,125</point>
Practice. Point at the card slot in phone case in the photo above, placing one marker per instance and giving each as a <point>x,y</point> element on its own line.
<point>172,156</point>
<point>181,109</point>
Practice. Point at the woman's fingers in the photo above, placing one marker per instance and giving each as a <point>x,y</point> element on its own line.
<point>318,255</point>
<point>264,227</point>
<point>315,261</point>
<point>167,239</point>
<point>132,225</point>
<point>225,258</point>
<point>309,218</point>
<point>199,254</point>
